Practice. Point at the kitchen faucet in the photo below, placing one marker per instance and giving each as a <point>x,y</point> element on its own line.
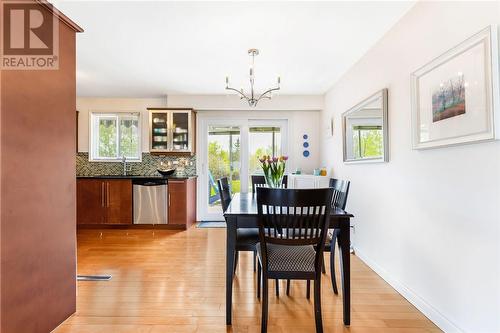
<point>125,169</point>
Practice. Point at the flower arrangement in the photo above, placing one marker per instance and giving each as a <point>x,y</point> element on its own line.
<point>274,169</point>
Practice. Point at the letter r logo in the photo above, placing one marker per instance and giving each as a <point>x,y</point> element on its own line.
<point>27,30</point>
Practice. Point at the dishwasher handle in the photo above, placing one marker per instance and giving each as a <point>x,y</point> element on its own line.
<point>149,182</point>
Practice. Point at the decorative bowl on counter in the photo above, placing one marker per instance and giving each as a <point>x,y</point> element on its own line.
<point>166,172</point>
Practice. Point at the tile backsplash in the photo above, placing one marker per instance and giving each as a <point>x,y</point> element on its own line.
<point>186,165</point>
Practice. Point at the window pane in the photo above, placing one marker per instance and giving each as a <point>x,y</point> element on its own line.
<point>223,161</point>
<point>114,135</point>
<point>262,140</point>
<point>129,137</point>
<point>367,141</point>
<point>372,143</point>
<point>107,138</point>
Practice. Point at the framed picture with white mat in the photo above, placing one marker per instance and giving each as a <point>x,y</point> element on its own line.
<point>455,97</point>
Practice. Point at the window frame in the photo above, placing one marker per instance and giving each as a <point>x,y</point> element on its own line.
<point>118,115</point>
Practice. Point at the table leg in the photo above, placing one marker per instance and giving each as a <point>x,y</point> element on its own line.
<point>230,252</point>
<point>344,240</point>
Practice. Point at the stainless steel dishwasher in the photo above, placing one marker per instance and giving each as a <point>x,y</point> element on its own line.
<point>150,201</point>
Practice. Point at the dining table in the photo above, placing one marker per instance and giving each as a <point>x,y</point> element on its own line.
<point>242,213</point>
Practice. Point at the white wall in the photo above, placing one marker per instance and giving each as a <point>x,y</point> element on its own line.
<point>427,221</point>
<point>299,123</point>
<point>233,102</point>
<point>87,105</point>
<point>302,112</point>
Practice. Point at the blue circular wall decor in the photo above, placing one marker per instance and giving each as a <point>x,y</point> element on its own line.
<point>305,144</point>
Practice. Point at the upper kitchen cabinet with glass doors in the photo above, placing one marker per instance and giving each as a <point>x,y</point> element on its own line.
<point>171,130</point>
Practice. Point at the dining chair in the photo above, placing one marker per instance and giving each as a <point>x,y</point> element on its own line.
<point>260,180</point>
<point>246,239</point>
<point>339,200</point>
<point>304,214</point>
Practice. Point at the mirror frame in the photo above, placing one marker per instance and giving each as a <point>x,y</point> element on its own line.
<point>385,123</point>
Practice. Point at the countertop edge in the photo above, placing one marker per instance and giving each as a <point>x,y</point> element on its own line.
<point>135,177</point>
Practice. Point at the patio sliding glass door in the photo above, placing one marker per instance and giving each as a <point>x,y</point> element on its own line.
<point>224,155</point>
<point>230,148</point>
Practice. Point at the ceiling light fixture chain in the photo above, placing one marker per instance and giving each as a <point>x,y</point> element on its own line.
<point>251,99</point>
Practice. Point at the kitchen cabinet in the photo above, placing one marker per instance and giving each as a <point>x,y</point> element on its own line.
<point>308,181</point>
<point>171,130</point>
<point>182,202</point>
<point>119,201</point>
<point>104,201</point>
<point>109,201</point>
<point>90,201</point>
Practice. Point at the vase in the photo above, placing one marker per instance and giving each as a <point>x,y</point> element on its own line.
<point>274,181</point>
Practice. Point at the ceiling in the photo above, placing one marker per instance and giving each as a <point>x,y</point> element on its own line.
<point>149,49</point>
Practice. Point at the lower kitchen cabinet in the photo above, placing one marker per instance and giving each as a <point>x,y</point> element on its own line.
<point>90,197</point>
<point>110,202</point>
<point>182,202</point>
<point>119,201</point>
<point>104,201</point>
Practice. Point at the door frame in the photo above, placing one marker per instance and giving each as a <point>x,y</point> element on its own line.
<point>240,119</point>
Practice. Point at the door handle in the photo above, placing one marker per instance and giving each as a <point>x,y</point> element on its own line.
<point>107,194</point>
<point>102,194</point>
<point>169,200</point>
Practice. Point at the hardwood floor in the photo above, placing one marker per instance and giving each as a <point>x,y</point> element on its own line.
<point>173,281</point>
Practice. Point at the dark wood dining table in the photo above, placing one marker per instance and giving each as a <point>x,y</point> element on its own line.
<point>242,213</point>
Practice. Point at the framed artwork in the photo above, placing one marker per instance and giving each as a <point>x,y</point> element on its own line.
<point>455,96</point>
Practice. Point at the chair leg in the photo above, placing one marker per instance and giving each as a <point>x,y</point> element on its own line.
<point>308,289</point>
<point>236,256</point>
<point>323,269</point>
<point>332,263</point>
<point>254,260</point>
<point>259,273</point>
<point>265,297</point>
<point>288,287</point>
<point>317,305</point>
<point>277,287</point>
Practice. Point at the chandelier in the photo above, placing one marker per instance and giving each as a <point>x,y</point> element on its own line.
<point>251,98</point>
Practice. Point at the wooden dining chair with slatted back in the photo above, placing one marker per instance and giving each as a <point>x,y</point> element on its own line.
<point>246,239</point>
<point>305,214</point>
<point>339,200</point>
<point>260,181</point>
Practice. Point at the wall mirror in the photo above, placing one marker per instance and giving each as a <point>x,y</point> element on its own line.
<point>365,131</point>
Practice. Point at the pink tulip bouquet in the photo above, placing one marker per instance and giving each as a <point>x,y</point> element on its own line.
<point>274,169</point>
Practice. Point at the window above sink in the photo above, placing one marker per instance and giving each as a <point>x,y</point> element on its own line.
<point>114,135</point>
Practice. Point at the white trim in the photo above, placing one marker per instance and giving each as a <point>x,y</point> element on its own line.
<point>422,305</point>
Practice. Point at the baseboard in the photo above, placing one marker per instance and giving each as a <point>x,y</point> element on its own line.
<point>427,309</point>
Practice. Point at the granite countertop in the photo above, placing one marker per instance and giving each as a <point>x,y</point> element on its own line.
<point>137,177</point>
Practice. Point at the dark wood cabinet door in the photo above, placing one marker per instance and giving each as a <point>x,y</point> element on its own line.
<point>177,202</point>
<point>118,201</point>
<point>90,201</point>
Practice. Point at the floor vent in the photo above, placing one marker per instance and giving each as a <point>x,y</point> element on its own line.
<point>93,277</point>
